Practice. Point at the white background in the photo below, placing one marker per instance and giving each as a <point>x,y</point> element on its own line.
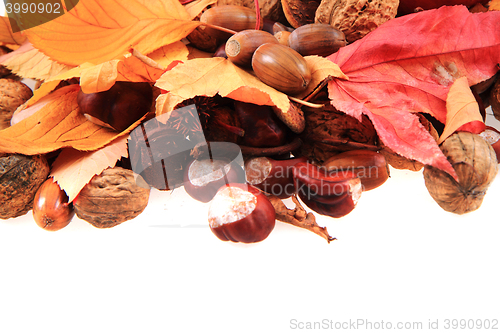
<point>398,258</point>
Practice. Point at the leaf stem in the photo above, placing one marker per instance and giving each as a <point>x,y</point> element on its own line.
<point>216,27</point>
<point>309,104</point>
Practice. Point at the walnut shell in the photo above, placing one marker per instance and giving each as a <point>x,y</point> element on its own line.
<point>20,178</point>
<point>12,94</point>
<point>495,99</point>
<point>111,198</point>
<point>356,18</point>
<point>476,165</point>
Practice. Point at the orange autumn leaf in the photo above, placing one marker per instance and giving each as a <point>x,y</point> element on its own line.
<point>207,77</point>
<point>6,34</point>
<point>73,169</point>
<point>57,124</point>
<point>462,110</point>
<point>194,8</point>
<point>494,5</point>
<point>96,32</point>
<point>30,63</point>
<point>165,55</point>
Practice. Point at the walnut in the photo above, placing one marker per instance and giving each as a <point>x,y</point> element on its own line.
<point>356,18</point>
<point>300,12</point>
<point>12,94</point>
<point>111,198</point>
<point>476,165</point>
<point>328,132</point>
<point>20,178</point>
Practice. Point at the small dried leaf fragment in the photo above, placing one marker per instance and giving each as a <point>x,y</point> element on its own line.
<point>73,169</point>
<point>463,110</point>
<point>298,217</point>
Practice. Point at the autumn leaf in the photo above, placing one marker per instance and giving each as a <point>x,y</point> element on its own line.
<point>73,169</point>
<point>57,123</point>
<point>30,63</point>
<point>207,77</point>
<point>407,65</point>
<point>97,32</point>
<point>463,111</point>
<point>494,5</point>
<point>6,34</point>
<point>194,8</point>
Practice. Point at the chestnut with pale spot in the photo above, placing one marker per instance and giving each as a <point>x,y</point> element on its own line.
<point>241,213</point>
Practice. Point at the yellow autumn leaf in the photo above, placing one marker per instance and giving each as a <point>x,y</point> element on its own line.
<point>165,55</point>
<point>57,124</point>
<point>207,77</point>
<point>96,32</point>
<point>73,169</point>
<point>462,110</point>
<point>30,63</point>
<point>6,34</point>
<point>194,8</point>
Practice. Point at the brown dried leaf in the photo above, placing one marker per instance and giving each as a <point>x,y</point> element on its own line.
<point>73,169</point>
<point>298,217</point>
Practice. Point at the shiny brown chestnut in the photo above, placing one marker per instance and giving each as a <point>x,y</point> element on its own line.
<point>328,193</point>
<point>241,213</point>
<point>370,166</point>
<point>272,176</point>
<point>261,125</point>
<point>119,107</point>
<point>203,178</point>
<point>51,209</point>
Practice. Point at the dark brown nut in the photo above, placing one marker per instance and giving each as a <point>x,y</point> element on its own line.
<point>236,18</point>
<point>476,166</point>
<point>316,39</point>
<point>269,9</point>
<point>13,93</point>
<point>492,136</point>
<point>300,12</point>
<point>51,209</point>
<point>112,198</point>
<point>495,99</point>
<point>277,27</point>
<point>119,107</point>
<point>370,166</point>
<point>261,126</point>
<point>241,46</point>
<point>20,178</point>
<point>281,68</point>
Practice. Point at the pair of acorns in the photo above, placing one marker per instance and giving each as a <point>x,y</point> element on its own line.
<point>278,63</point>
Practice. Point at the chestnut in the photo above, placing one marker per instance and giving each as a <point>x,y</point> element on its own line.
<point>272,176</point>
<point>203,178</point>
<point>241,213</point>
<point>119,107</point>
<point>261,125</point>
<point>328,193</point>
<point>51,209</point>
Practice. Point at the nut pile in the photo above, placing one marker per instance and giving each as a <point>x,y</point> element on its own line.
<point>254,156</point>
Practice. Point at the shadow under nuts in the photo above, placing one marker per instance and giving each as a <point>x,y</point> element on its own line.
<point>281,68</point>
<point>316,39</point>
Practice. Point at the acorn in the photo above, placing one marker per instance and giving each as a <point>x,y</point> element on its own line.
<point>282,37</point>
<point>316,39</point>
<point>281,68</point>
<point>236,18</point>
<point>241,46</point>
